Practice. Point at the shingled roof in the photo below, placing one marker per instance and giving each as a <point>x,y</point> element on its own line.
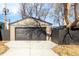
<point>31,18</point>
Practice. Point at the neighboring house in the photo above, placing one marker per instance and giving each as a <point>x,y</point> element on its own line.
<point>2,24</point>
<point>5,34</point>
<point>29,29</point>
<point>1,29</point>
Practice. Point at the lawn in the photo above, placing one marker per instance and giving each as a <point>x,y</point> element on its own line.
<point>3,48</point>
<point>67,50</point>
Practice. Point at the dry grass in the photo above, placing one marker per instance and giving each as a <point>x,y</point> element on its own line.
<point>3,48</point>
<point>67,50</point>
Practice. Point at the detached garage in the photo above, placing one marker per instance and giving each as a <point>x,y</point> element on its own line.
<point>30,29</point>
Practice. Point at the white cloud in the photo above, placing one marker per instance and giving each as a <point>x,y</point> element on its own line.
<point>1,8</point>
<point>14,8</point>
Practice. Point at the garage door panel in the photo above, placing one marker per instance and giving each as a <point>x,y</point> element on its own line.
<point>22,37</point>
<point>30,33</point>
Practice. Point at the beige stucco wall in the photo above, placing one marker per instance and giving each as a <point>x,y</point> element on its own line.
<point>28,23</point>
<point>12,33</point>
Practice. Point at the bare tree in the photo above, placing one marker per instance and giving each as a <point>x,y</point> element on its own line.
<point>75,10</point>
<point>42,11</point>
<point>36,10</point>
<point>57,13</point>
<point>22,10</point>
<point>66,13</point>
<point>76,15</point>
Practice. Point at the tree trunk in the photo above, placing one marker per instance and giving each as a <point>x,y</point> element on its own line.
<point>66,12</point>
<point>75,11</point>
<point>76,16</point>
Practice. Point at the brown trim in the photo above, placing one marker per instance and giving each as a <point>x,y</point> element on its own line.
<point>15,33</point>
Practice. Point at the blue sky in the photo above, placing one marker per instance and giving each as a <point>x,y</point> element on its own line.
<point>13,14</point>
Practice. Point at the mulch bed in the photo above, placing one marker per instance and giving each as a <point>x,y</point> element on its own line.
<point>67,50</point>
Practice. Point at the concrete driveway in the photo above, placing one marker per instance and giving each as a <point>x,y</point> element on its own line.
<point>30,48</point>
